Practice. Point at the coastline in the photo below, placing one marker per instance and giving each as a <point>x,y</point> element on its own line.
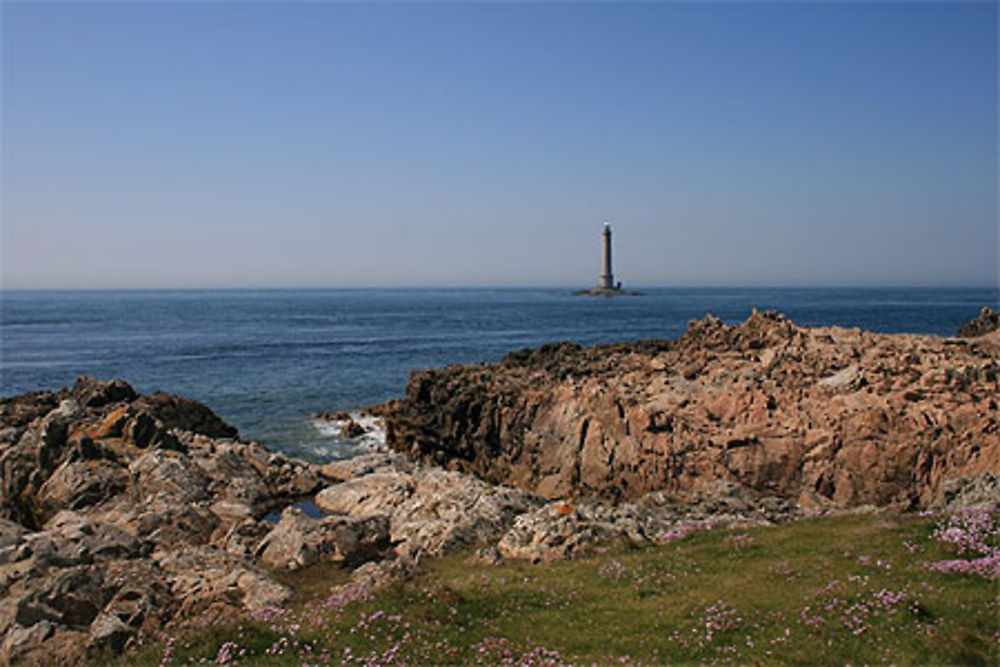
<point>162,517</point>
<point>265,360</point>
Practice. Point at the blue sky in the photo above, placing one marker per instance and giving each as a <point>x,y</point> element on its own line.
<point>313,144</point>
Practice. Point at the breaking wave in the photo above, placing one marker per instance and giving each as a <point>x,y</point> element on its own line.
<point>335,444</point>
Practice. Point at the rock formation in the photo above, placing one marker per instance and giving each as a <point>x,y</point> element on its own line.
<point>824,417</point>
<point>120,512</point>
<point>123,514</point>
<point>987,322</point>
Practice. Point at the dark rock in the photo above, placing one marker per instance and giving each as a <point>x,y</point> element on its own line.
<point>174,412</point>
<point>92,393</point>
<point>145,431</point>
<point>987,322</point>
<point>353,429</point>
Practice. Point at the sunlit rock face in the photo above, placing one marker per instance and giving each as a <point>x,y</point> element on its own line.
<point>825,416</point>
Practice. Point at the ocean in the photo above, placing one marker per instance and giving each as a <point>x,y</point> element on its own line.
<point>264,360</point>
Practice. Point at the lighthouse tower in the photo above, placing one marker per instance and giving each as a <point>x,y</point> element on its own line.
<point>606,286</point>
<point>607,277</point>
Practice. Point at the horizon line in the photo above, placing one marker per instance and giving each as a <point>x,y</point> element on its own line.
<point>638,286</point>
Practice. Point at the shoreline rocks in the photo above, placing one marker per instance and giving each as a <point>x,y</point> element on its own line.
<point>118,516</point>
<point>987,322</point>
<point>122,515</point>
<point>821,417</point>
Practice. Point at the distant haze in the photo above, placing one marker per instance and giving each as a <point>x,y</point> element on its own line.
<point>313,144</point>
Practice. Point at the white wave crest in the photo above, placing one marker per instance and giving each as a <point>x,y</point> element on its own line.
<point>373,437</point>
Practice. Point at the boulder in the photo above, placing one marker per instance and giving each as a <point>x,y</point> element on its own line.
<point>299,540</point>
<point>353,429</point>
<point>209,580</point>
<point>448,510</point>
<point>552,533</point>
<point>377,493</point>
<point>366,464</point>
<point>288,478</point>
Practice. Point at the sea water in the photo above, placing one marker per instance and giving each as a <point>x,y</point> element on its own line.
<point>265,360</point>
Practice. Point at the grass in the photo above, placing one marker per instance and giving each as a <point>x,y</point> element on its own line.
<point>848,589</point>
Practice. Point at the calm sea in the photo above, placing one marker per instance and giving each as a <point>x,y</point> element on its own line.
<point>264,360</point>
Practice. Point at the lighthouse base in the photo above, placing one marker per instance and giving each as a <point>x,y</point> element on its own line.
<point>605,291</point>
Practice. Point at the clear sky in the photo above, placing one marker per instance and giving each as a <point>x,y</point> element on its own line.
<point>313,144</point>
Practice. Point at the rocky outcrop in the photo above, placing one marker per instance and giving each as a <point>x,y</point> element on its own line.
<point>429,511</point>
<point>824,417</point>
<point>559,529</point>
<point>987,322</point>
<point>122,513</point>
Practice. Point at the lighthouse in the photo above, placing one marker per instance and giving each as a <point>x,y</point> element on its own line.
<point>606,286</point>
<point>607,277</point>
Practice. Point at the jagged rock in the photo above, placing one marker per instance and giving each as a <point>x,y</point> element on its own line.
<point>174,412</point>
<point>70,597</point>
<point>376,575</point>
<point>957,494</point>
<point>169,474</point>
<point>110,632</point>
<point>122,513</point>
<point>289,478</point>
<point>552,533</point>
<point>231,511</point>
<point>78,484</point>
<point>987,322</point>
<point>847,377</point>
<point>827,415</point>
<point>241,539</point>
<point>11,533</point>
<point>72,538</point>
<point>92,393</point>
<point>353,429</point>
<point>561,530</point>
<point>140,604</point>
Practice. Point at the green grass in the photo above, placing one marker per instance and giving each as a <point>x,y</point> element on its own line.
<point>654,605</point>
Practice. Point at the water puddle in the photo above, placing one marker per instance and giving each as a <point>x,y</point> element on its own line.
<point>308,508</point>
